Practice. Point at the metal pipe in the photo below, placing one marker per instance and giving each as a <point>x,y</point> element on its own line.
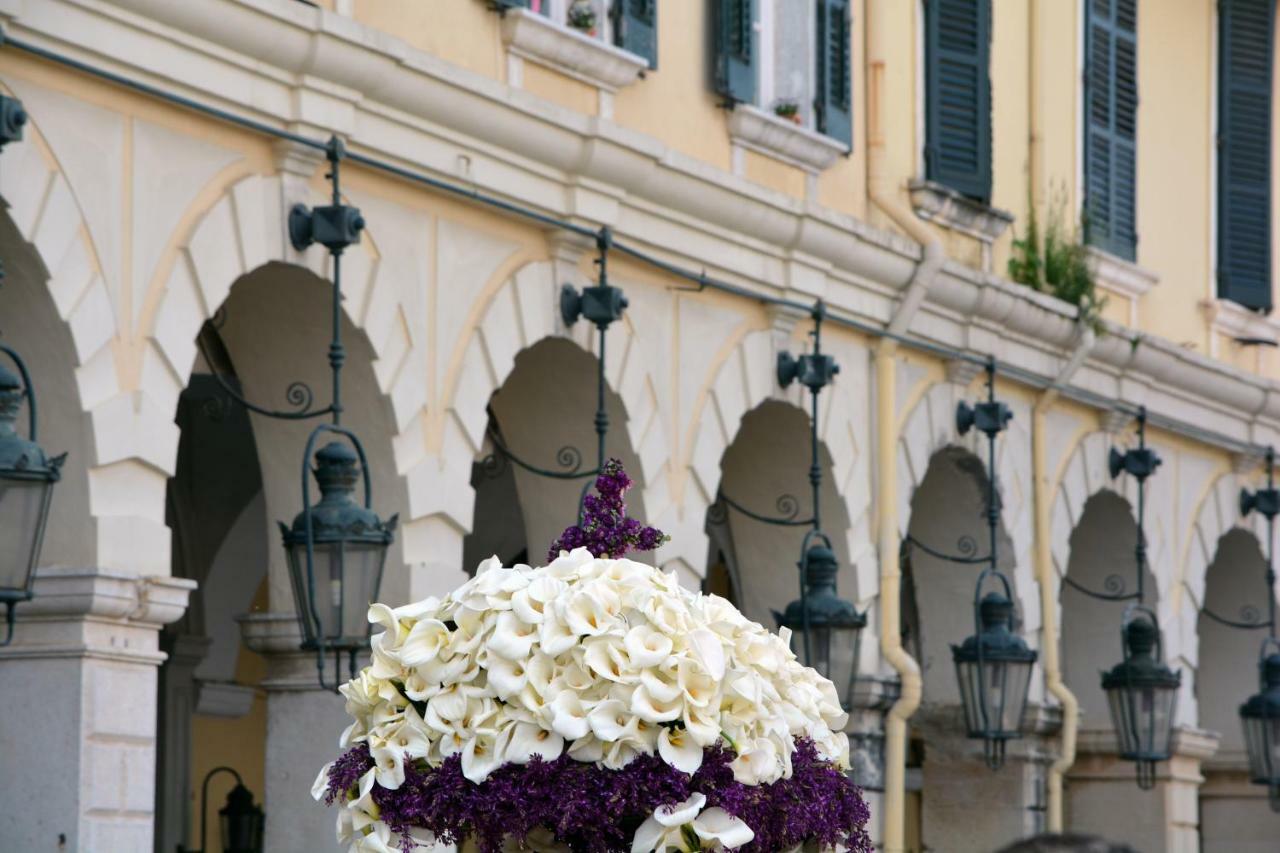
<point>1042,482</point>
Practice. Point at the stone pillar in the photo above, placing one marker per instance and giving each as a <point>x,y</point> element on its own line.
<point>303,725</point>
<point>873,696</point>
<point>1235,816</point>
<point>78,710</point>
<point>967,807</point>
<point>1103,797</point>
<point>173,758</point>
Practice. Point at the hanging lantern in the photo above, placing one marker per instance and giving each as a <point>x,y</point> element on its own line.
<point>1143,695</point>
<point>826,630</point>
<point>1261,719</point>
<point>337,550</point>
<point>993,668</point>
<point>27,476</point>
<point>242,822</point>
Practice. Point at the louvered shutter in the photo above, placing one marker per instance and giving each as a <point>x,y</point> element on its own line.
<point>636,28</point>
<point>735,49</point>
<point>835,72</point>
<point>1245,30</point>
<point>958,95</point>
<point>1111,120</point>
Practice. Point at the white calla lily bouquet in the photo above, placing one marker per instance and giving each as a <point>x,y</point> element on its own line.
<point>589,705</point>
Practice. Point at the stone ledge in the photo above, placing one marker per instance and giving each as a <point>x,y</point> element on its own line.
<point>941,205</point>
<point>1120,276</point>
<point>1234,321</point>
<point>538,39</point>
<point>75,592</point>
<point>757,130</point>
<point>1188,742</point>
<point>222,699</point>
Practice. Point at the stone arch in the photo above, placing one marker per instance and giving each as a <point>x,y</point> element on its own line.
<point>134,437</point>
<point>930,427</point>
<point>521,311</point>
<point>739,384</point>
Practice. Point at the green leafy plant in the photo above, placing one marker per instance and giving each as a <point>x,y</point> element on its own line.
<point>1057,262</point>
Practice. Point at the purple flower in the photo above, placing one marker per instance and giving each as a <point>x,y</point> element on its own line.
<point>605,529</point>
<point>594,810</point>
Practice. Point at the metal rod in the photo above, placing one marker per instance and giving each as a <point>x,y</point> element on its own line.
<point>9,619</point>
<point>993,509</point>
<point>28,391</point>
<point>204,802</point>
<point>1140,549</point>
<point>1271,537</point>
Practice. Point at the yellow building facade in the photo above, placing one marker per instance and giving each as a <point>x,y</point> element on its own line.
<point>754,157</point>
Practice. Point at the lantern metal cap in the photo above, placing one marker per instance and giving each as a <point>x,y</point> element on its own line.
<point>20,458</point>
<point>997,642</point>
<point>1266,703</point>
<point>338,517</point>
<point>825,608</point>
<point>1140,668</point>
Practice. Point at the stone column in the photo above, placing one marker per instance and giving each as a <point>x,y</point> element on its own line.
<point>966,806</point>
<point>873,696</point>
<point>303,725</point>
<point>1235,816</point>
<point>1103,797</point>
<point>78,710</point>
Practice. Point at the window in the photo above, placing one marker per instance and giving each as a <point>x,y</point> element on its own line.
<point>789,59</point>
<point>1111,113</point>
<point>1245,30</point>
<point>957,149</point>
<point>630,24</point>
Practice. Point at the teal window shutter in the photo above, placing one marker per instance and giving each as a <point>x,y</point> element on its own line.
<point>735,49</point>
<point>1111,122</point>
<point>835,71</point>
<point>1245,58</point>
<point>958,95</point>
<point>635,28</point>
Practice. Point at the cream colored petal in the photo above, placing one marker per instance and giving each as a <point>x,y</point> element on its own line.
<point>716,824</point>
<point>680,750</point>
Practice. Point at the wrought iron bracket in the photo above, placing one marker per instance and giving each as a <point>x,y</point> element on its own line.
<point>13,118</point>
<point>600,304</point>
<point>787,506</point>
<point>813,370</point>
<point>334,226</point>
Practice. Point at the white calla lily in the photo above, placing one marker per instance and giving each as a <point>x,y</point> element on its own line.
<point>719,827</point>
<point>678,748</point>
<point>527,740</point>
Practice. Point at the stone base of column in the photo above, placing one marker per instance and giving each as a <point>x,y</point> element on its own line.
<point>1235,814</point>
<point>966,806</point>
<point>1103,797</point>
<point>78,710</point>
<point>304,722</point>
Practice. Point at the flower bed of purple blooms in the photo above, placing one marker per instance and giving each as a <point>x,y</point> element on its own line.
<point>591,809</point>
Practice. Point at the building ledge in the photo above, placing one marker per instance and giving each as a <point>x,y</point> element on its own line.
<point>222,699</point>
<point>538,39</point>
<point>1234,321</point>
<point>941,205</point>
<point>754,129</point>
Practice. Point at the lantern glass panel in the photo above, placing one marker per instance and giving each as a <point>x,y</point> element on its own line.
<point>242,830</point>
<point>1000,691</point>
<point>1143,719</point>
<point>24,506</point>
<point>346,576</point>
<point>834,654</point>
<point>1262,743</point>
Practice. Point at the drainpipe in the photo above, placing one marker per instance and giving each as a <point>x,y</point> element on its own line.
<point>883,195</point>
<point>1042,496</point>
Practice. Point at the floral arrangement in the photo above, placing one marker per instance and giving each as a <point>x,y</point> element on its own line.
<point>589,705</point>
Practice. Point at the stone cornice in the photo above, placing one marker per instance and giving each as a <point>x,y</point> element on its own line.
<point>299,66</point>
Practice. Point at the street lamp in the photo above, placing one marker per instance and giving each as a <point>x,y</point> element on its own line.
<point>336,550</point>
<point>1142,693</point>
<point>827,629</point>
<point>241,819</point>
<point>993,668</point>
<point>1261,718</point>
<point>27,475</point>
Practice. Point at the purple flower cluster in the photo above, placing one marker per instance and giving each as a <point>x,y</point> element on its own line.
<point>594,810</point>
<point>606,531</point>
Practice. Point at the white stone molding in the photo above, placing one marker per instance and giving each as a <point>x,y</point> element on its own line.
<point>536,38</point>
<point>1233,321</point>
<point>757,130</point>
<point>1121,278</point>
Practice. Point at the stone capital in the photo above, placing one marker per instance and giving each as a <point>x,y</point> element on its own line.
<point>290,668</point>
